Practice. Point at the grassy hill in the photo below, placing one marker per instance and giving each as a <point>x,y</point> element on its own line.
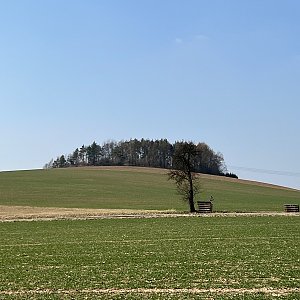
<point>133,188</point>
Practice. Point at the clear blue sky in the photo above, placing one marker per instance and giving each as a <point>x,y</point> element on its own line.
<point>223,72</point>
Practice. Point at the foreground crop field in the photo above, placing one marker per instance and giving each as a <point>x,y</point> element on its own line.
<point>164,258</point>
<point>133,188</point>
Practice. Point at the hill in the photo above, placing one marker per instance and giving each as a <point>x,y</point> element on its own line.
<point>133,188</point>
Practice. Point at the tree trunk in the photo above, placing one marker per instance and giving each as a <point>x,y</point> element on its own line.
<point>191,194</point>
<point>192,205</point>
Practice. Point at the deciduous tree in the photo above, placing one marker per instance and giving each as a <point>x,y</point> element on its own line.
<point>183,172</point>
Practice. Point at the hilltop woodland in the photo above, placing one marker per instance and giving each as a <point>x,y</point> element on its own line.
<point>142,153</point>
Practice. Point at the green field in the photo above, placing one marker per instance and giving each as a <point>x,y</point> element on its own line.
<point>132,188</point>
<point>164,258</point>
<point>158,258</point>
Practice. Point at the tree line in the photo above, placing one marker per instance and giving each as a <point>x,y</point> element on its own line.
<point>142,153</point>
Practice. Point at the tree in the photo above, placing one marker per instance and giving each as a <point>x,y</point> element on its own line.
<point>49,165</point>
<point>60,162</point>
<point>93,154</point>
<point>73,159</point>
<point>143,153</point>
<point>82,155</point>
<point>183,173</point>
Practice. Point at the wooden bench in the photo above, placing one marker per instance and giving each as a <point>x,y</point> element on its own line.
<point>291,207</point>
<point>204,206</point>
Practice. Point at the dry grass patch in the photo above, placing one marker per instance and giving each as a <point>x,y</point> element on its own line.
<point>8,213</point>
<point>29,213</point>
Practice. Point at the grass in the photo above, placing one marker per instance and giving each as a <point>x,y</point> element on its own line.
<point>89,188</point>
<point>76,259</point>
<point>239,196</point>
<point>160,258</point>
<point>131,188</point>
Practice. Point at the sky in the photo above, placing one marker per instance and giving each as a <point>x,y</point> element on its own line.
<point>221,72</point>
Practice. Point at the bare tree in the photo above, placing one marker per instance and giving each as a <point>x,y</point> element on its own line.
<point>183,172</point>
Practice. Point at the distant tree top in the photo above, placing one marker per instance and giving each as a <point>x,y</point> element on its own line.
<point>143,153</point>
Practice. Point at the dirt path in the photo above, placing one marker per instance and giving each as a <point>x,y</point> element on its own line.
<point>27,213</point>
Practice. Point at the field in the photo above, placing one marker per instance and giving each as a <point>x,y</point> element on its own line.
<point>133,188</point>
<point>135,241</point>
<point>159,258</point>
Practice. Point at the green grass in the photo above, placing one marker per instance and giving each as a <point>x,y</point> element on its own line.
<point>236,196</point>
<point>68,259</point>
<point>130,189</point>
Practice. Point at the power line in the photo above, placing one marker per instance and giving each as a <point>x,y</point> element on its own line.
<point>266,171</point>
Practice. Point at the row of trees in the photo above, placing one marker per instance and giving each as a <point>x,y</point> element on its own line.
<point>143,153</point>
